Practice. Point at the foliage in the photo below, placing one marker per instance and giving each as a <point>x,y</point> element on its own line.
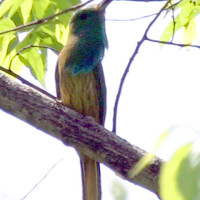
<point>118,191</point>
<point>15,51</point>
<point>179,177</point>
<point>148,158</point>
<point>187,11</point>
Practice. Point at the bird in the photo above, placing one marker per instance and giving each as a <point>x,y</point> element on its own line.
<point>80,82</point>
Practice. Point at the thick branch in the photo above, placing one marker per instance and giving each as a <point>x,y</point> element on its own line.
<point>76,130</point>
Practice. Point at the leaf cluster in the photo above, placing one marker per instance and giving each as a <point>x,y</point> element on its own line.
<point>179,177</point>
<point>29,46</point>
<point>184,14</point>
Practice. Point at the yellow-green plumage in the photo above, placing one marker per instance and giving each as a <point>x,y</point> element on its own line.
<point>82,92</point>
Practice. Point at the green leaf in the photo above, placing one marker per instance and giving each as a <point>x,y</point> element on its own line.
<point>48,29</point>
<point>47,35</point>
<point>189,174</point>
<point>6,24</point>
<point>146,159</point>
<point>34,59</point>
<point>169,188</point>
<point>190,32</point>
<point>7,42</point>
<point>26,8</point>
<point>40,8</point>
<point>180,177</point>
<point>118,191</point>
<point>14,8</point>
<point>171,29</point>
<point>5,7</point>
<point>18,19</point>
<point>10,7</point>
<point>185,13</point>
<point>4,43</point>
<point>30,39</point>
<point>65,4</point>
<point>62,33</point>
<point>51,43</point>
<point>17,65</point>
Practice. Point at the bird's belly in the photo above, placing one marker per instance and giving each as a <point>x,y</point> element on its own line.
<point>80,92</point>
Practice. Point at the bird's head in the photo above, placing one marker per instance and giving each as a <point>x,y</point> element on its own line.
<point>89,20</point>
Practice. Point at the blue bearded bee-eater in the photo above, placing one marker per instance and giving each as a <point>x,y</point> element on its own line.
<point>80,80</point>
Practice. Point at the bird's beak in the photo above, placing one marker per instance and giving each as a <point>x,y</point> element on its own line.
<point>102,6</point>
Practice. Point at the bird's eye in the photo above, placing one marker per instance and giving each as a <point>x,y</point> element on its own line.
<point>83,16</point>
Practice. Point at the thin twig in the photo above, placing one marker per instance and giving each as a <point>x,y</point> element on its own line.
<point>27,47</point>
<point>129,64</point>
<point>146,16</point>
<point>44,20</point>
<point>137,18</point>
<point>39,46</point>
<point>26,82</point>
<point>31,190</point>
<point>174,23</point>
<point>172,43</point>
<point>1,1</point>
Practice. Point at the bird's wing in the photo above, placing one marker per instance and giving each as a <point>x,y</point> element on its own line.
<point>57,82</point>
<point>99,76</point>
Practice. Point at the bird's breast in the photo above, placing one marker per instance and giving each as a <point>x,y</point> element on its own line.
<point>80,92</point>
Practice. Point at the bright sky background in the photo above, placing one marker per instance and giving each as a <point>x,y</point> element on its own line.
<point>162,90</point>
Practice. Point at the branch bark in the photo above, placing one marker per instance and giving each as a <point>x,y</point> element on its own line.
<point>76,130</point>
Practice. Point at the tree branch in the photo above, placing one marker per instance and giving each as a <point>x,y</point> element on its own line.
<point>7,71</point>
<point>76,130</point>
<point>173,43</point>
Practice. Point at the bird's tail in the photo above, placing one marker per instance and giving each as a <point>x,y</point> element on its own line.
<point>90,178</point>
